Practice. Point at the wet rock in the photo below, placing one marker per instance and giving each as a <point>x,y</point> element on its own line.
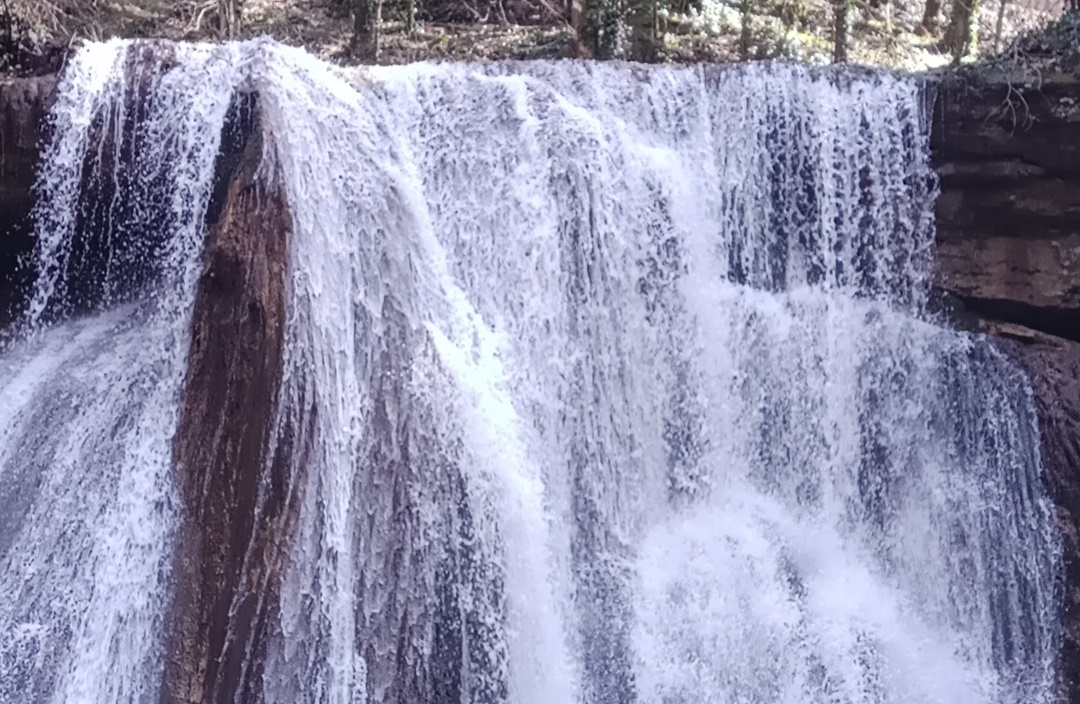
<point>1053,365</point>
<point>1008,216</point>
<point>24,104</point>
<point>236,519</point>
<point>1008,252</point>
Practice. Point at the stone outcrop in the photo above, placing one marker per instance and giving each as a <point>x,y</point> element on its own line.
<point>1009,211</point>
<point>230,547</point>
<point>1008,251</point>
<point>237,514</point>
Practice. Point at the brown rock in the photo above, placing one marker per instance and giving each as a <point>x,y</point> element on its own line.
<point>1009,212</point>
<point>231,545</point>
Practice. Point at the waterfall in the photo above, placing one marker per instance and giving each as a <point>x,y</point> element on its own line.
<point>89,390</point>
<point>602,383</point>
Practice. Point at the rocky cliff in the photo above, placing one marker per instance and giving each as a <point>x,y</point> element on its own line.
<point>1009,211</point>
<point>1008,255</point>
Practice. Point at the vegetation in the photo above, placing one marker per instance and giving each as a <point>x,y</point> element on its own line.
<point>898,33</point>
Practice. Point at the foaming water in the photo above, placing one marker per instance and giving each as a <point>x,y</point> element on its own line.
<point>422,527</point>
<point>601,384</point>
<point>89,391</point>
<point>767,478</point>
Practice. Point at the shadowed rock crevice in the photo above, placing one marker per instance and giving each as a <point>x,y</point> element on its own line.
<point>24,105</point>
<point>230,549</point>
<point>1055,321</point>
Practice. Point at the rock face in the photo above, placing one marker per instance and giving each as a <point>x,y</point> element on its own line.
<point>24,103</point>
<point>1053,366</point>
<point>1009,210</point>
<point>235,514</point>
<point>230,549</point>
<point>1008,250</point>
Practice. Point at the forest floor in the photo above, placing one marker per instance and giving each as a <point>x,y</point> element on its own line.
<point>786,29</point>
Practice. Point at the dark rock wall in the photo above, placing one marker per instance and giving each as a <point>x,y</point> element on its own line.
<point>1009,211</point>
<point>23,106</point>
<point>1008,253</point>
<point>1054,370</point>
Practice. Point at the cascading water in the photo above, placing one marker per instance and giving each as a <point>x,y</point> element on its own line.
<point>602,384</point>
<point>88,406</point>
<point>769,480</point>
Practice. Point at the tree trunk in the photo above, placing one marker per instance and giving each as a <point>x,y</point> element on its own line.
<point>841,26</point>
<point>643,34</point>
<point>596,28</point>
<point>610,24</point>
<point>367,16</point>
<point>745,32</point>
<point>1000,23</point>
<point>961,37</point>
<point>585,18</point>
<point>579,45</point>
<point>230,10</point>
<point>931,19</point>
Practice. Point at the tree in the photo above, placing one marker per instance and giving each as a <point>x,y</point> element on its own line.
<point>367,16</point>
<point>9,47</point>
<point>961,36</point>
<point>841,29</point>
<point>643,35</point>
<point>583,45</point>
<point>745,30</point>
<point>610,24</point>
<point>999,25</point>
<point>230,12</point>
<point>931,19</point>
<point>596,28</point>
